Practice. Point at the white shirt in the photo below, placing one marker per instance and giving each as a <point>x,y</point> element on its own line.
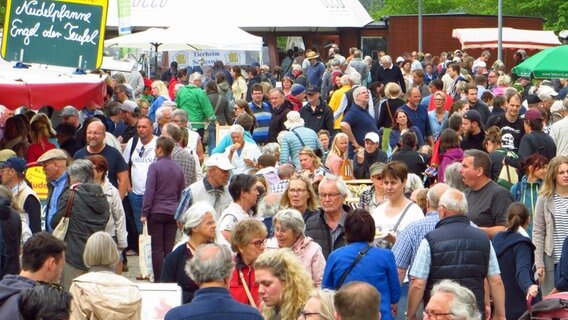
<point>249,151</point>
<point>142,158</point>
<point>230,216</point>
<point>385,224</point>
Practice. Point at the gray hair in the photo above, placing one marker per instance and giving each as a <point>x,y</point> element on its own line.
<point>194,76</point>
<point>160,111</point>
<point>386,59</point>
<point>100,250</point>
<point>296,67</point>
<point>464,305</point>
<point>237,128</point>
<point>335,62</point>
<point>291,219</point>
<point>435,193</point>
<point>453,177</point>
<point>173,131</point>
<point>269,205</point>
<point>358,90</point>
<point>355,78</point>
<point>454,200</point>
<point>194,215</point>
<point>271,148</point>
<point>81,171</point>
<point>344,80</point>
<point>211,262</point>
<point>181,113</point>
<point>339,183</point>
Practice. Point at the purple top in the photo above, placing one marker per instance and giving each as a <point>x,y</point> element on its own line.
<point>164,185</point>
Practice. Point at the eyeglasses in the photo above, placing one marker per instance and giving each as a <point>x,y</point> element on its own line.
<point>329,195</point>
<point>305,314</point>
<point>297,191</point>
<point>378,178</point>
<point>259,243</point>
<point>432,315</point>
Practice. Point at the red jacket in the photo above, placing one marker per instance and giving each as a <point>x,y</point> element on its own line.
<point>237,289</point>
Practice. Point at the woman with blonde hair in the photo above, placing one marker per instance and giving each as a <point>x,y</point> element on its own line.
<point>161,95</point>
<point>387,114</point>
<point>300,195</point>
<point>284,284</point>
<point>310,165</point>
<point>239,86</point>
<point>289,227</point>
<point>337,153</point>
<point>551,221</point>
<point>320,303</point>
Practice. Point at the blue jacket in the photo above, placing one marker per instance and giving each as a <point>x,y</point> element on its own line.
<point>377,268</point>
<point>10,288</point>
<point>561,272</point>
<point>527,193</point>
<point>212,304</point>
<point>515,253</point>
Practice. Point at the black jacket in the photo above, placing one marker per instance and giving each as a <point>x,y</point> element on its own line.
<point>174,271</point>
<point>317,229</point>
<point>361,170</point>
<point>277,121</point>
<point>11,227</point>
<point>319,119</point>
<point>414,160</point>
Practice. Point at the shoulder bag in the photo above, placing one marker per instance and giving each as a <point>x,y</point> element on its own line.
<point>385,244</point>
<point>247,290</point>
<point>61,230</point>
<point>360,256</point>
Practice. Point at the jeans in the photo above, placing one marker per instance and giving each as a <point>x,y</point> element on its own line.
<point>162,228</point>
<point>212,143</point>
<point>136,205</point>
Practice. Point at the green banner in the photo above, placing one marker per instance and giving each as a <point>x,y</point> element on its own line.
<point>57,32</point>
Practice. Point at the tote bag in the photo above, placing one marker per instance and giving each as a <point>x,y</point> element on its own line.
<point>145,255</point>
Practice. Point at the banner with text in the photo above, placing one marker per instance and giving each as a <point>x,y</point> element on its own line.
<point>208,57</point>
<point>57,32</point>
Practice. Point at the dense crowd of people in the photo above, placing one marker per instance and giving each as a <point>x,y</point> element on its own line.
<point>463,213</point>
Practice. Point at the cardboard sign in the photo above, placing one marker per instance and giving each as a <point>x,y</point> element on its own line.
<point>57,32</point>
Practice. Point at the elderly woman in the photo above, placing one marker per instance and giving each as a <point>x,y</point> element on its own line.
<point>248,241</point>
<point>551,221</point>
<point>102,294</point>
<point>289,229</point>
<point>242,154</point>
<point>87,208</point>
<point>377,266</point>
<point>300,195</point>
<point>375,195</point>
<point>320,303</point>
<point>284,284</point>
<point>200,227</point>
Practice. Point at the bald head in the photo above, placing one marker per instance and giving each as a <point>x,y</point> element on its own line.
<point>96,136</point>
<point>452,203</point>
<point>434,195</point>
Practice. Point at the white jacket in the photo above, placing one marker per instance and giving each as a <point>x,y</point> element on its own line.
<point>116,225</point>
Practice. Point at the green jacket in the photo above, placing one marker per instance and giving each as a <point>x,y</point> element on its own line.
<point>196,103</point>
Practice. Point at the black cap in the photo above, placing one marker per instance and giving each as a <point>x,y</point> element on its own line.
<point>533,98</point>
<point>313,89</point>
<point>473,115</point>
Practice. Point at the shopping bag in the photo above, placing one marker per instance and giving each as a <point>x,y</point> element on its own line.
<point>145,253</point>
<point>346,170</point>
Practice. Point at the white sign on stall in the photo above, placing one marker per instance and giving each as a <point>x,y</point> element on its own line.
<point>207,57</point>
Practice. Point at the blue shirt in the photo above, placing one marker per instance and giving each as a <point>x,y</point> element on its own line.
<point>409,239</point>
<point>226,141</point>
<point>419,118</point>
<point>434,124</point>
<point>58,186</point>
<point>361,123</point>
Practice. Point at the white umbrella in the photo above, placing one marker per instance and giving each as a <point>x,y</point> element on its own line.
<point>159,39</point>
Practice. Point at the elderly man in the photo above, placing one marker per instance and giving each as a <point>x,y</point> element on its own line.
<point>13,176</point>
<point>316,113</point>
<point>242,154</point>
<point>358,122</point>
<point>211,269</point>
<point>164,115</point>
<point>368,155</point>
<point>54,164</point>
<point>195,102</point>
<point>488,201</point>
<point>297,138</point>
<point>328,226</point>
<point>455,234</point>
<point>118,170</point>
<point>357,300</point>
<point>280,106</point>
<point>337,97</point>
<point>450,298</point>
<point>43,257</point>
<point>389,72</point>
<point>559,130</point>
<point>213,188</point>
<point>70,115</point>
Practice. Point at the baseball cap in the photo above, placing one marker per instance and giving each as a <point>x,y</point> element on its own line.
<point>473,115</point>
<point>373,136</point>
<point>69,111</point>
<point>18,164</point>
<point>129,106</point>
<point>546,92</point>
<point>6,154</point>
<point>220,161</point>
<point>313,89</point>
<point>297,89</point>
<point>533,114</point>
<point>376,168</point>
<point>53,154</point>
<point>533,98</point>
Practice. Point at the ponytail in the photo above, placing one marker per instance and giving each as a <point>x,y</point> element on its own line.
<point>517,216</point>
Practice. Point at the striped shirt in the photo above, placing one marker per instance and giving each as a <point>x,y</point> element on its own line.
<point>560,225</point>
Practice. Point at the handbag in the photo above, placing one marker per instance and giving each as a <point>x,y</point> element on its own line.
<point>60,230</point>
<point>360,256</point>
<point>145,255</point>
<point>385,244</point>
<point>346,169</point>
<point>508,175</point>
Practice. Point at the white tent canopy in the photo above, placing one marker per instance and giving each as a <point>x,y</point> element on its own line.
<point>484,38</point>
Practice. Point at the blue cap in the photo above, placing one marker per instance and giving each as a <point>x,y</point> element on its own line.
<point>18,164</point>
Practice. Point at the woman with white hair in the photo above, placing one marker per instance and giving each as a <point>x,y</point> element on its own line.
<point>242,154</point>
<point>200,228</point>
<point>289,230</point>
<point>320,303</point>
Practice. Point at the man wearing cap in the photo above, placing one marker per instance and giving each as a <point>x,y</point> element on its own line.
<point>389,72</point>
<point>130,113</point>
<point>213,188</point>
<point>535,140</point>
<point>358,122</point>
<point>262,112</point>
<point>54,164</point>
<point>90,110</point>
<point>297,96</point>
<point>510,122</point>
<point>474,133</point>
<point>13,176</point>
<point>315,70</point>
<point>547,95</point>
<point>242,154</point>
<point>368,155</point>
<point>527,85</point>
<point>316,113</point>
<point>70,115</point>
<point>281,107</point>
<point>117,170</point>
<point>298,137</point>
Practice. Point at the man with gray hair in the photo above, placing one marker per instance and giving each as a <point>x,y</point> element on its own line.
<point>436,258</point>
<point>450,298</point>
<point>163,116</point>
<point>388,72</point>
<point>195,102</point>
<point>180,155</point>
<point>358,122</point>
<point>242,154</point>
<point>211,269</point>
<point>327,227</point>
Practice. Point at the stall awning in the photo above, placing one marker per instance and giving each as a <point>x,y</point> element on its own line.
<point>486,38</point>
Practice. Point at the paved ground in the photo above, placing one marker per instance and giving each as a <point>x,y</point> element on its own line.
<point>133,269</point>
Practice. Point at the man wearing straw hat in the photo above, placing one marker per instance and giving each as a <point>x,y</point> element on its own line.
<point>315,70</point>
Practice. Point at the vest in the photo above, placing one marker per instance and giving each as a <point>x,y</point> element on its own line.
<point>24,191</point>
<point>199,193</point>
<point>459,252</point>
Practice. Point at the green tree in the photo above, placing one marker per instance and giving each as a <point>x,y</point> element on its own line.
<point>2,12</point>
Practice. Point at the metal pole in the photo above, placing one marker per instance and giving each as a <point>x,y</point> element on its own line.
<point>500,30</point>
<point>420,25</point>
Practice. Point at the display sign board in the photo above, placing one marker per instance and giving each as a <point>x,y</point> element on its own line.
<point>57,32</point>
